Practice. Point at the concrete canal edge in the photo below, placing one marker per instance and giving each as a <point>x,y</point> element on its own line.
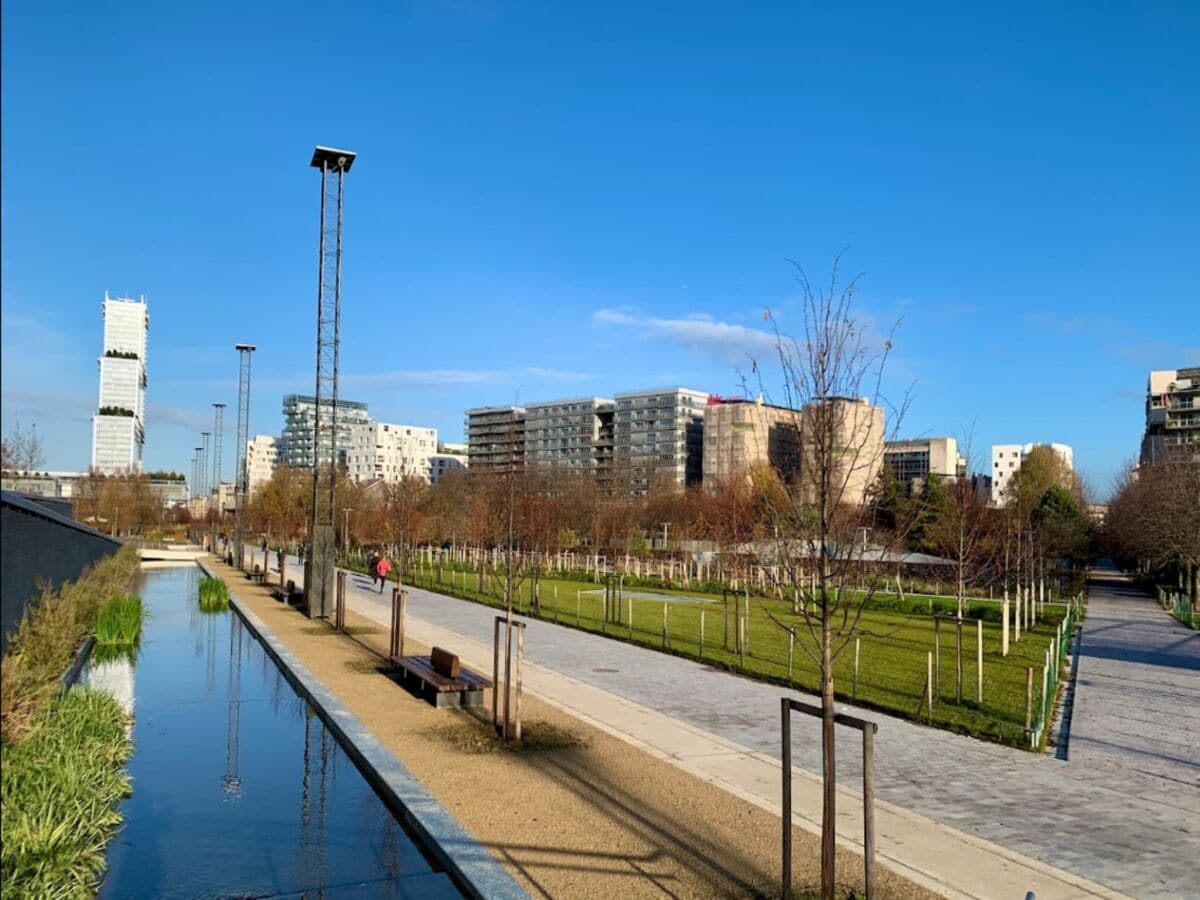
<point>465,860</point>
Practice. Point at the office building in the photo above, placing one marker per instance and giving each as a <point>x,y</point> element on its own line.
<point>381,451</point>
<point>1172,417</point>
<point>262,455</point>
<point>295,446</point>
<point>740,435</point>
<point>495,438</point>
<point>1007,460</point>
<point>118,427</point>
<point>913,461</point>
<point>449,458</point>
<point>658,434</point>
<point>568,433</point>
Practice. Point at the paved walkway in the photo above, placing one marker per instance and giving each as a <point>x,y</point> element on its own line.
<point>1131,828</point>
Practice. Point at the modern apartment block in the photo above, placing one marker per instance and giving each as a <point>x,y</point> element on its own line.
<point>118,428</point>
<point>495,438</point>
<point>382,451</point>
<point>1172,417</point>
<point>855,427</point>
<point>658,434</point>
<point>299,413</point>
<point>1007,459</point>
<point>742,434</point>
<point>262,455</point>
<point>913,461</point>
<point>575,433</point>
<point>449,458</point>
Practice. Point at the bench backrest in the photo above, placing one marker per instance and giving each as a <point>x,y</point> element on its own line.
<point>444,662</point>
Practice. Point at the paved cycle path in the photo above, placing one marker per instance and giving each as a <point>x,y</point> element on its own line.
<point>1123,812</point>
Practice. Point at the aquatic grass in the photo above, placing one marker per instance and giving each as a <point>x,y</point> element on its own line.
<point>60,784</point>
<point>51,630</point>
<point>120,620</point>
<point>214,595</point>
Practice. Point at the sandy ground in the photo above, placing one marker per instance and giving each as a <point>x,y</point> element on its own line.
<point>577,813</point>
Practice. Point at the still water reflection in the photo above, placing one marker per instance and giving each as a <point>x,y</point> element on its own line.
<point>238,789</point>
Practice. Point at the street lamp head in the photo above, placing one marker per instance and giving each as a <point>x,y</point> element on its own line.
<point>219,405</point>
<point>331,158</point>
<point>249,348</point>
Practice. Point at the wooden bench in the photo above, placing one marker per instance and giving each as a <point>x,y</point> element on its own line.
<point>442,680</point>
<point>256,574</point>
<point>290,594</point>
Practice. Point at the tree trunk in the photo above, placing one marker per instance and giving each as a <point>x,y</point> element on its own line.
<point>828,767</point>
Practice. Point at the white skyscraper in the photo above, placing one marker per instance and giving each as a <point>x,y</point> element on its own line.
<point>118,428</point>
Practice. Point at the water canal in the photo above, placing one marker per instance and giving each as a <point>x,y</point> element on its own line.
<point>238,788</point>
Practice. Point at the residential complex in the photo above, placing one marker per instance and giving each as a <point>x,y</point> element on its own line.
<point>496,438</point>
<point>449,458</point>
<point>1007,459</point>
<point>262,455</point>
<point>381,451</point>
<point>299,414</point>
<point>569,433</point>
<point>658,434</point>
<point>118,428</point>
<point>913,461</point>
<point>1172,417</point>
<point>855,428</point>
<point>741,434</point>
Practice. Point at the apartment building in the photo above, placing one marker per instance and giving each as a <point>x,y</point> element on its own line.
<point>449,458</point>
<point>856,428</point>
<point>262,455</point>
<point>296,448</point>
<point>1172,417</point>
<point>381,451</point>
<point>742,434</point>
<point>495,438</point>
<point>913,461</point>
<point>118,427</point>
<point>574,434</point>
<point>658,434</point>
<point>1007,459</point>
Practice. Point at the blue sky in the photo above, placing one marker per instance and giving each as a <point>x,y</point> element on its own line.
<point>562,199</point>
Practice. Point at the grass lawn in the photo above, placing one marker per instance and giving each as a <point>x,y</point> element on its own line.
<point>893,646</point>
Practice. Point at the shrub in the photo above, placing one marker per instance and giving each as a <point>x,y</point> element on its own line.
<point>50,632</point>
<point>214,595</point>
<point>120,620</point>
<point>59,786</point>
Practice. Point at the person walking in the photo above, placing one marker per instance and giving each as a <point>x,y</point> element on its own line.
<point>382,568</point>
<point>373,566</point>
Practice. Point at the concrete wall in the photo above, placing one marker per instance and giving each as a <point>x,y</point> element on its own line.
<point>40,544</point>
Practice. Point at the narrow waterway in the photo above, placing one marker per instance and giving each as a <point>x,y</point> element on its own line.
<point>238,788</point>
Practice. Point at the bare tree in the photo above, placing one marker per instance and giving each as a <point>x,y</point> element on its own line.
<point>22,451</point>
<point>832,379</point>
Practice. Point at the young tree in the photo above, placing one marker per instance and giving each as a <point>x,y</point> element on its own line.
<point>22,451</point>
<point>832,377</point>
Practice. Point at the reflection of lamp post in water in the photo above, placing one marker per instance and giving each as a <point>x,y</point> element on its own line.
<point>231,782</point>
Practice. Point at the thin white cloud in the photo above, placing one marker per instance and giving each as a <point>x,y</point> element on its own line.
<point>699,332</point>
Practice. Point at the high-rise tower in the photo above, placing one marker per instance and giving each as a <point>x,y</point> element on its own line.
<point>118,428</point>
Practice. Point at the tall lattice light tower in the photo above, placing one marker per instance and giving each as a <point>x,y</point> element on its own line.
<point>245,352</point>
<point>204,436</point>
<point>218,425</point>
<point>318,580</point>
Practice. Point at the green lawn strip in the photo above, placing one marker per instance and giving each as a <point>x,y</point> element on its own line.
<point>893,649</point>
<point>60,784</point>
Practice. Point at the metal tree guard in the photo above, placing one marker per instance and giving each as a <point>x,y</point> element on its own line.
<point>243,423</point>
<point>319,580</point>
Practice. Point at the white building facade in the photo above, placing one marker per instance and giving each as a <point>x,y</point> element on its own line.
<point>659,434</point>
<point>118,428</point>
<point>449,458</point>
<point>262,455</point>
<point>295,446</point>
<point>1007,459</point>
<point>383,451</point>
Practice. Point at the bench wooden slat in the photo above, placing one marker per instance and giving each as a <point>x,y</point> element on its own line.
<point>422,667</point>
